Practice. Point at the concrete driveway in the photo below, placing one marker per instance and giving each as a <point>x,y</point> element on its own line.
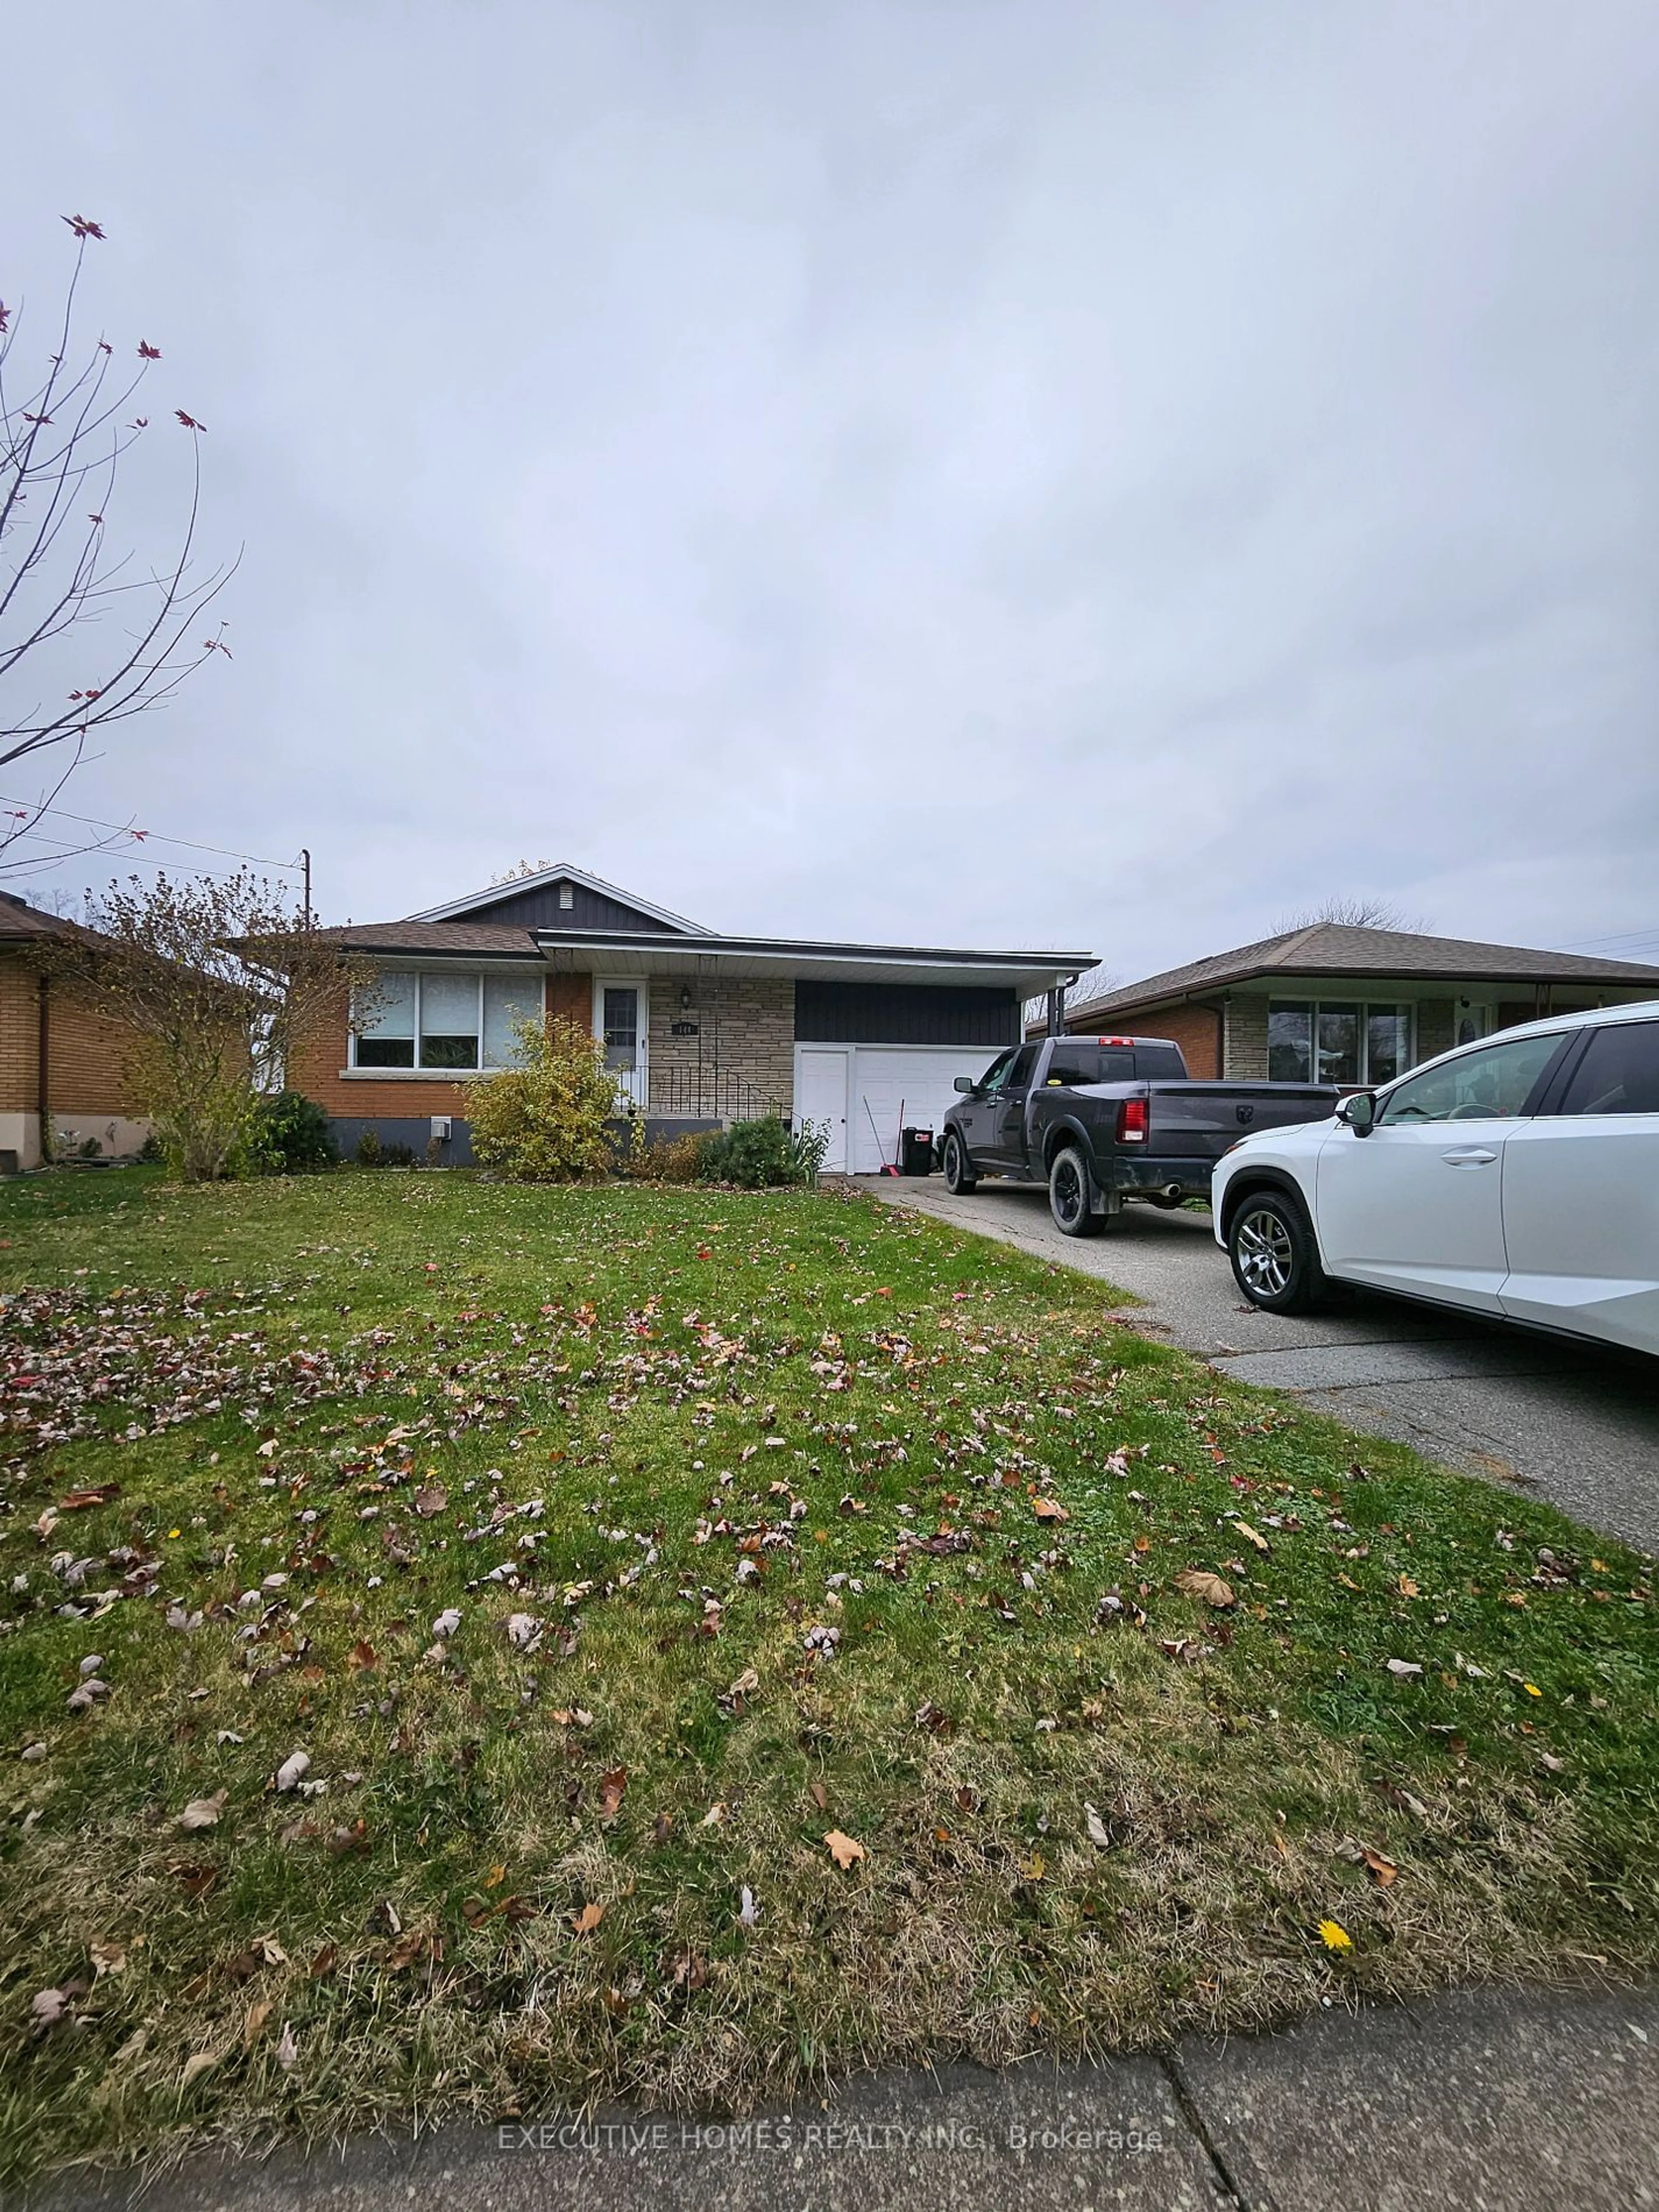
<point>1579,1427</point>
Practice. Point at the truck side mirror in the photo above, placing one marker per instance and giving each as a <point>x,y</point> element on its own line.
<point>1359,1112</point>
<point>966,1083</point>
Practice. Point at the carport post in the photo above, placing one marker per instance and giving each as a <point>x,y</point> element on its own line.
<point>1057,1007</point>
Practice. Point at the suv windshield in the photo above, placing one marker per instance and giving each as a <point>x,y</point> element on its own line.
<point>1492,1084</point>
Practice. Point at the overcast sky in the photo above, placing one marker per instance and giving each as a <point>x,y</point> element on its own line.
<point>1096,475</point>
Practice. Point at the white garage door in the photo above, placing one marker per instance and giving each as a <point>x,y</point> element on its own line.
<point>888,1087</point>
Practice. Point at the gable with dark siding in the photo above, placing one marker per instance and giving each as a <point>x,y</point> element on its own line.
<point>905,1013</point>
<point>539,909</point>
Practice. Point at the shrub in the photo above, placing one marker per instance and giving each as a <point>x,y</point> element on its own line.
<point>290,1134</point>
<point>669,1159</point>
<point>368,1148</point>
<point>755,1154</point>
<point>543,1120</point>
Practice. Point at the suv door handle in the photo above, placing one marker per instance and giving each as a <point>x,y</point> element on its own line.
<point>1473,1158</point>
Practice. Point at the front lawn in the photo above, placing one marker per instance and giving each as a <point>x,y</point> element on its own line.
<point>468,1645</point>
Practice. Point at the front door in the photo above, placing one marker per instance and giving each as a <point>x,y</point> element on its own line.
<point>821,1078</point>
<point>1008,1139</point>
<point>1417,1205</point>
<point>620,1016</point>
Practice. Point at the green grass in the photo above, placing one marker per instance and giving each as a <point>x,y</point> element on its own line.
<point>745,1419</point>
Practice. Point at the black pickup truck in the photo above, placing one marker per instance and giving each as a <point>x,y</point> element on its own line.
<point>1103,1118</point>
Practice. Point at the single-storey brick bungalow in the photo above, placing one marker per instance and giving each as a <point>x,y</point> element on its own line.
<point>699,1028</point>
<point>1334,1003</point>
<point>62,1066</point>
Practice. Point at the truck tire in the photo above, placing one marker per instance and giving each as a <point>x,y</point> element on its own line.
<point>1070,1195</point>
<point>959,1178</point>
<point>1275,1256</point>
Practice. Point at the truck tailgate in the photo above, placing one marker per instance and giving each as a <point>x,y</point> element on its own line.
<point>1199,1120</point>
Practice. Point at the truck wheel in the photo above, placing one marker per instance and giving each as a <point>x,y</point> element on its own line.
<point>1274,1255</point>
<point>1070,1195</point>
<point>957,1179</point>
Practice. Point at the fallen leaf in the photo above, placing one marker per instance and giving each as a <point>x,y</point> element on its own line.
<point>748,1910</point>
<point>1384,1870</point>
<point>843,1849</point>
<point>1034,1868</point>
<point>203,2063</point>
<point>47,2009</point>
<point>432,1499</point>
<point>819,1795</point>
<point>746,1682</point>
<point>292,1771</point>
<point>1050,1509</point>
<point>662,1827</point>
<point>203,1812</point>
<point>101,1494</point>
<point>715,1816</point>
<point>257,2017</point>
<point>1099,1831</point>
<point>446,1623</point>
<point>324,1961</point>
<point>414,1945</point>
<point>612,1786</point>
<point>1198,1583</point>
<point>288,2049</point>
<point>362,1657</point>
<point>107,1956</point>
<point>270,1950</point>
<point>1252,1536</point>
<point>587,1919</point>
<point>1404,1666</point>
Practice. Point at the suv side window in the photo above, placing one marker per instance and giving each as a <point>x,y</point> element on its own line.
<point>1619,1073</point>
<point>1490,1085</point>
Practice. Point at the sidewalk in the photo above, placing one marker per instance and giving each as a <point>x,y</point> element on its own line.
<point>1482,2101</point>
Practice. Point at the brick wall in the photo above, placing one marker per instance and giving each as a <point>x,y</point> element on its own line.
<point>1246,1049</point>
<point>1434,1027</point>
<point>86,1067</point>
<point>1195,1029</point>
<point>747,1027</point>
<point>316,1064</point>
<point>86,1054</point>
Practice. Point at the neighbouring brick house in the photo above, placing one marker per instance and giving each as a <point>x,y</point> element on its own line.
<point>699,1028</point>
<point>1332,1004</point>
<point>61,1063</point>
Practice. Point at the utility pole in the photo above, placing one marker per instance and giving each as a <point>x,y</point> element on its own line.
<point>304,862</point>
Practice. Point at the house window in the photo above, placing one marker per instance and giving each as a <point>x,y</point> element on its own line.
<point>442,1020</point>
<point>1336,1042</point>
<point>384,1034</point>
<point>508,1000</point>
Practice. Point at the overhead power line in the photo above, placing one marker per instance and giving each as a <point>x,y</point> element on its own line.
<point>148,836</point>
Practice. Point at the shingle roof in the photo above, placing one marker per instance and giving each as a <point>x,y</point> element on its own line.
<point>20,920</point>
<point>482,937</point>
<point>1329,948</point>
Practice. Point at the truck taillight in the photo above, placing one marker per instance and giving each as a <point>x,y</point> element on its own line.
<point>1131,1121</point>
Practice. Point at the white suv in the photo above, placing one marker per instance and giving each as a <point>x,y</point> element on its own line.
<point>1517,1178</point>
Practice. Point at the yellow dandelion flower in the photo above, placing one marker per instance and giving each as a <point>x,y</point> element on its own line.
<point>1334,1936</point>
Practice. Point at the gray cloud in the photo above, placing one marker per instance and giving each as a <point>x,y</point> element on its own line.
<point>1092,474</point>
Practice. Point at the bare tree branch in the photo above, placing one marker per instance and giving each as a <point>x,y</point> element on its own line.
<point>62,442</point>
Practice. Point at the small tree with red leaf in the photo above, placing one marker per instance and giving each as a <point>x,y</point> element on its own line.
<point>89,635</point>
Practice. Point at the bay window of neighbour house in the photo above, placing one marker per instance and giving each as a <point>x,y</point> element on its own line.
<point>1333,1041</point>
<point>444,1021</point>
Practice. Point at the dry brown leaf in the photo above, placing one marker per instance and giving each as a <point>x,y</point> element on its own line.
<point>361,1656</point>
<point>257,2016</point>
<point>1199,1583</point>
<point>819,1795</point>
<point>107,1956</point>
<point>612,1788</point>
<point>844,1850</point>
<point>1383,1870</point>
<point>203,2062</point>
<point>432,1499</point>
<point>1050,1509</point>
<point>746,1682</point>
<point>203,1812</point>
<point>587,1919</point>
<point>326,1959</point>
<point>1252,1536</point>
